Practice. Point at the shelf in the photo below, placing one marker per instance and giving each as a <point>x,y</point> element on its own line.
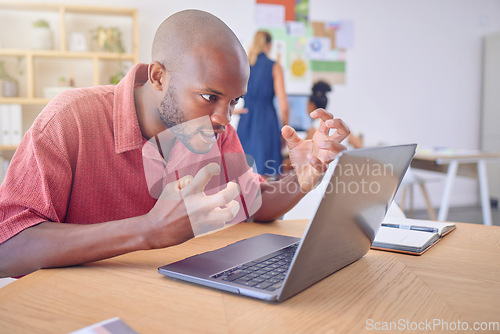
<point>37,69</point>
<point>24,100</point>
<point>67,54</point>
<point>8,147</point>
<point>69,8</point>
<point>34,71</point>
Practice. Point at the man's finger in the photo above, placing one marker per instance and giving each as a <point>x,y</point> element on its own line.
<point>329,156</point>
<point>321,114</point>
<point>216,218</point>
<point>331,145</point>
<point>291,137</point>
<point>221,198</point>
<point>184,181</point>
<point>342,129</point>
<point>319,166</point>
<point>172,190</point>
<point>324,116</point>
<point>226,214</point>
<point>201,179</point>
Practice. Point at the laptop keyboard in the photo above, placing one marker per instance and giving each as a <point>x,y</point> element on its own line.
<point>267,272</point>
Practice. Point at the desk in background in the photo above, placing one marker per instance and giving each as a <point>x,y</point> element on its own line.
<point>455,281</point>
<point>453,163</point>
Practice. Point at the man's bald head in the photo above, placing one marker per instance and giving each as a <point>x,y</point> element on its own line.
<point>183,32</point>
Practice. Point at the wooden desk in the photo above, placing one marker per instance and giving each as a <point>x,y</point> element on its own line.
<point>457,280</point>
<point>468,164</point>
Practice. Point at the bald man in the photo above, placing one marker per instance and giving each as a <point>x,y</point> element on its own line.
<point>76,190</point>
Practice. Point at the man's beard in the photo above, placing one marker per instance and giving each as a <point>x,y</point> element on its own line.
<point>169,111</point>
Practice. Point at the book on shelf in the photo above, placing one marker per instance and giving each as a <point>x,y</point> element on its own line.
<point>4,124</point>
<point>10,124</point>
<point>4,165</point>
<point>16,124</point>
<point>410,236</point>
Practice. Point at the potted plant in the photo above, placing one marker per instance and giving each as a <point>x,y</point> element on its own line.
<point>41,36</point>
<point>10,86</point>
<point>108,39</point>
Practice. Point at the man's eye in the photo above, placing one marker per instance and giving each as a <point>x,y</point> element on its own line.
<point>236,100</point>
<point>209,97</point>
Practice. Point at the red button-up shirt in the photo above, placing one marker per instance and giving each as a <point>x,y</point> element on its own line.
<point>81,161</point>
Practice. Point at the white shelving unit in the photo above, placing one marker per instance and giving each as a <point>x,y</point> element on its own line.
<point>44,68</point>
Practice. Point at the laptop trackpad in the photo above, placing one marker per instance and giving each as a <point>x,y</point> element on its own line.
<point>208,263</point>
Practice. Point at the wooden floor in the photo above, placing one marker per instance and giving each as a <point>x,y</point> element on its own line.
<point>463,215</point>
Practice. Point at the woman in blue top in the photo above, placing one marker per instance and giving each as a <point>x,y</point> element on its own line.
<point>259,129</point>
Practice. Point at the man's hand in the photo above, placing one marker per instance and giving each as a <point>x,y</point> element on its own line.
<point>310,158</point>
<point>184,210</point>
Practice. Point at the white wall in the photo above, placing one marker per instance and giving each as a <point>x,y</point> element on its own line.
<point>413,75</point>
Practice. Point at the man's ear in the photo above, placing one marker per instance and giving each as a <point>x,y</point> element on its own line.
<point>157,75</point>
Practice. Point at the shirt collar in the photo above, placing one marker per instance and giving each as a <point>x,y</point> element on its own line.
<point>128,135</point>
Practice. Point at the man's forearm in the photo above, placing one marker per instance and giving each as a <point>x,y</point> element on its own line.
<point>278,197</point>
<point>49,245</point>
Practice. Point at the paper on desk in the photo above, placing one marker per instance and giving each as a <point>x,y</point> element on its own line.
<point>110,326</point>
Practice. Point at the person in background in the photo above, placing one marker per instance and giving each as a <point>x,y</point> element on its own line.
<point>319,99</point>
<point>258,128</point>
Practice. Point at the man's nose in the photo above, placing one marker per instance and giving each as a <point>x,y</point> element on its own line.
<point>222,115</point>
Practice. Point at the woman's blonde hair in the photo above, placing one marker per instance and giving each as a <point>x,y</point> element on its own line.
<point>260,43</point>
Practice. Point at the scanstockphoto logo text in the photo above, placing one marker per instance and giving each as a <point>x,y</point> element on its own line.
<point>350,178</point>
<point>431,325</point>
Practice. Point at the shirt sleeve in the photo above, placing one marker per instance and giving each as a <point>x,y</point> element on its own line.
<point>37,184</point>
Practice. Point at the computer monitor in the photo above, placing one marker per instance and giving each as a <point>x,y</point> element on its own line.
<point>298,117</point>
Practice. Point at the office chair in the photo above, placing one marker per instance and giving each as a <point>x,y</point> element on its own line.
<point>408,184</point>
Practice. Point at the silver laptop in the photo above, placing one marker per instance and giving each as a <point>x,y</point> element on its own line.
<point>274,267</point>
